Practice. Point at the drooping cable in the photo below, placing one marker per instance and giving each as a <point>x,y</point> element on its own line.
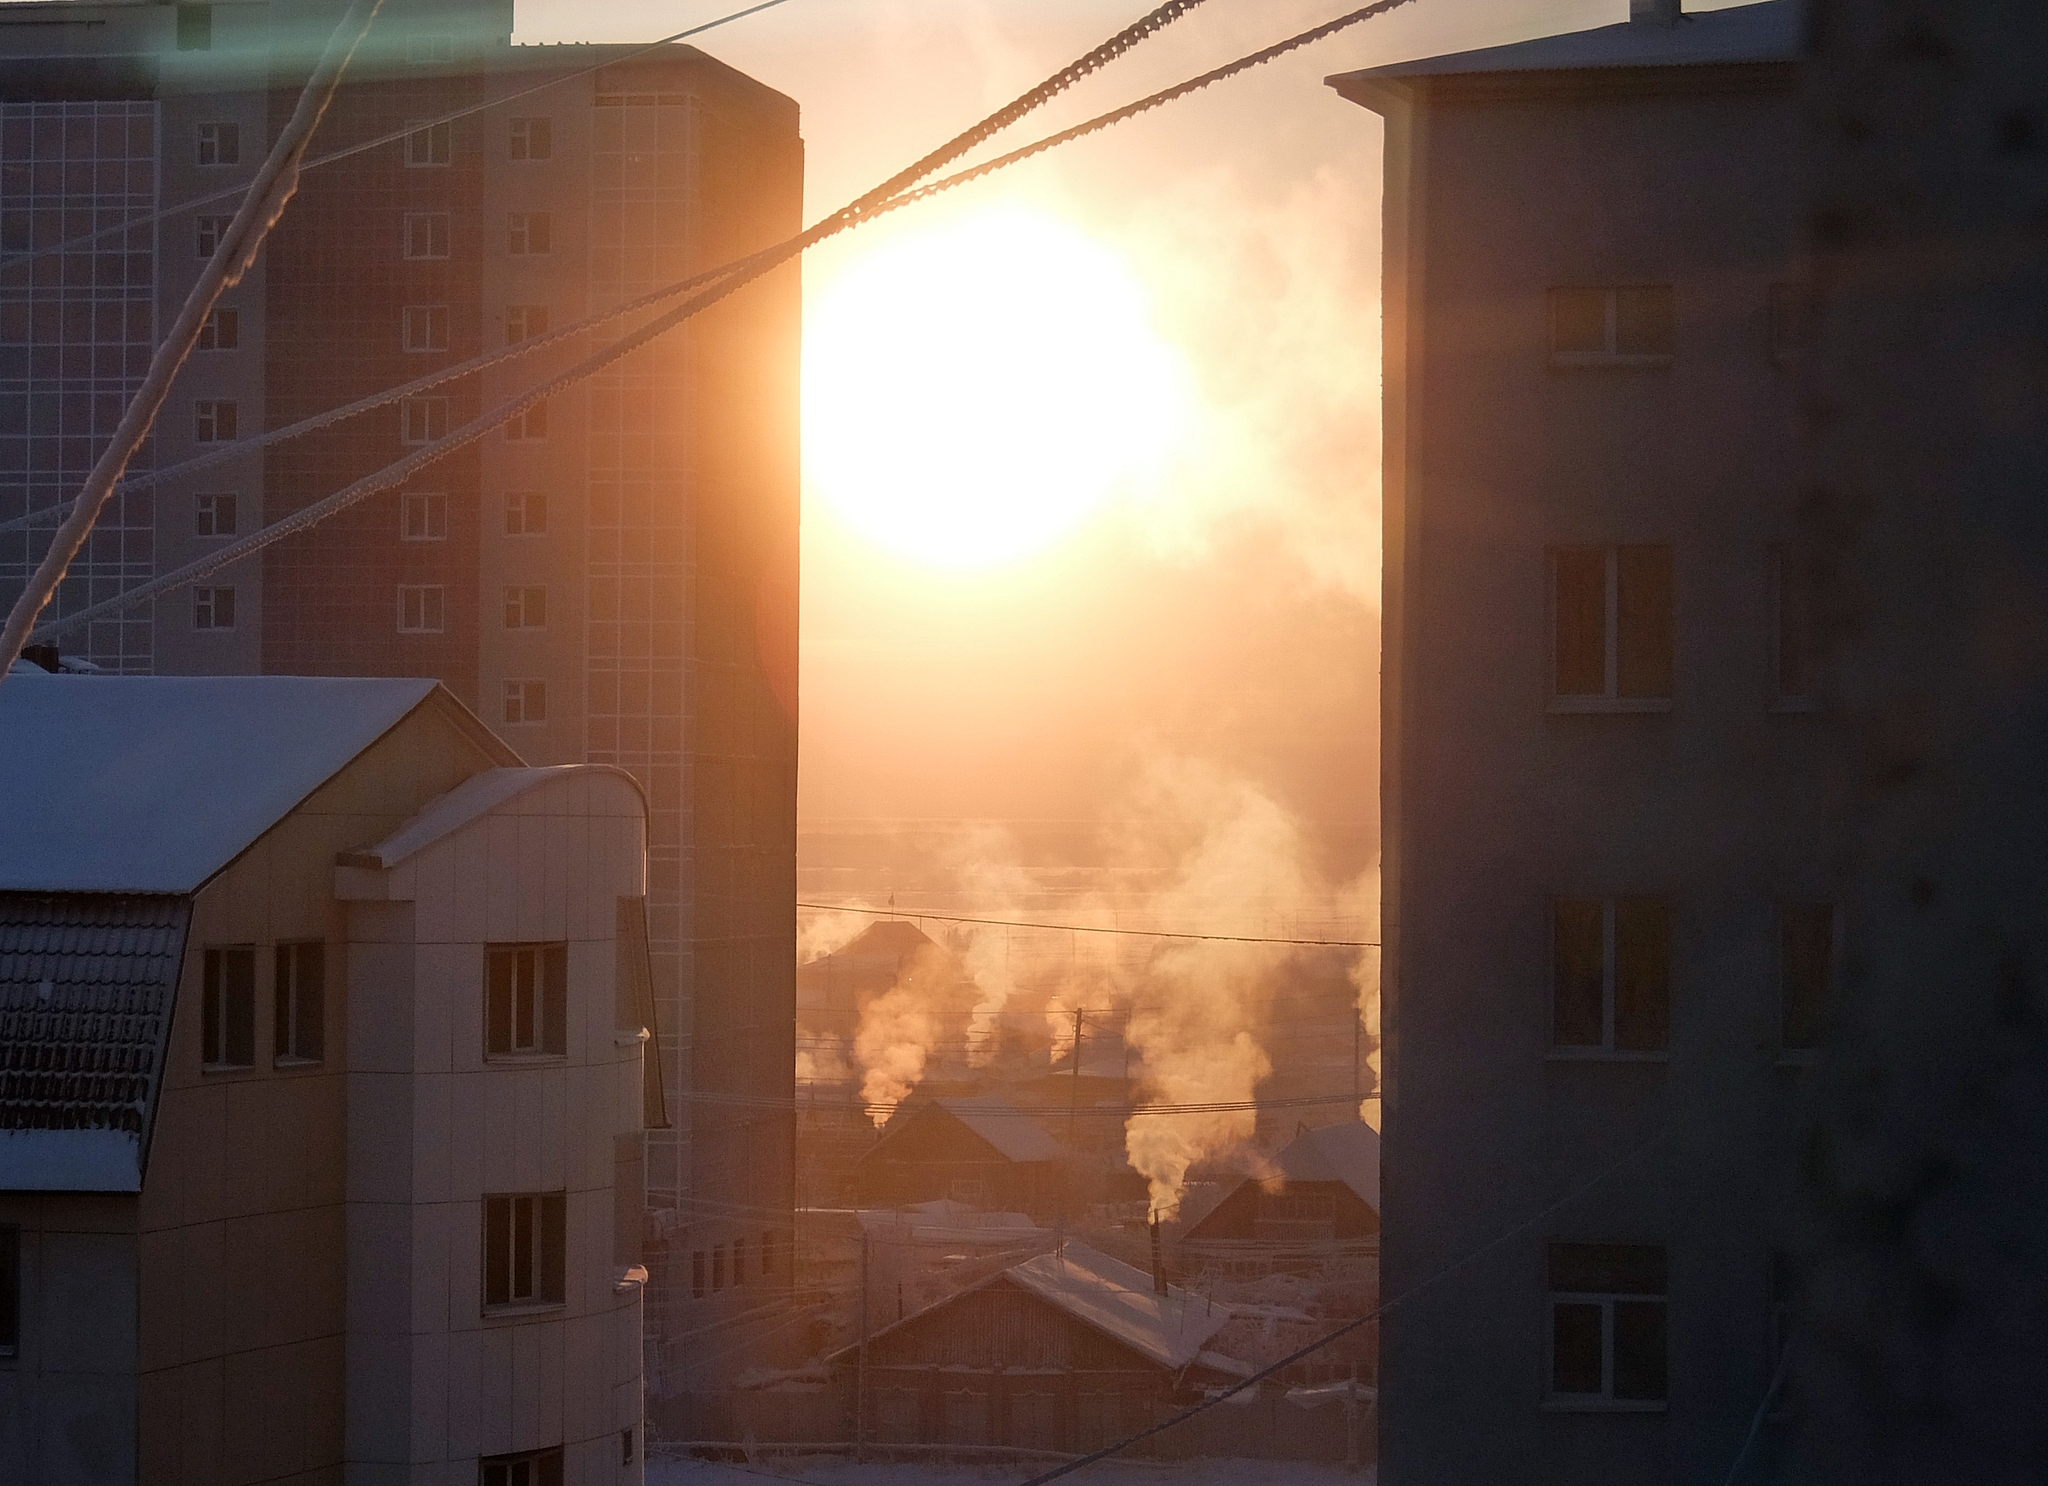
<point>1011,923</point>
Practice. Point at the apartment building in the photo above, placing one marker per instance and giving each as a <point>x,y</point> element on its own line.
<point>611,580</point>
<point>1610,859</point>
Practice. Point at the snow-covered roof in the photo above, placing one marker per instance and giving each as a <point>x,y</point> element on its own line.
<point>1348,1152</point>
<point>152,784</point>
<point>1015,1135</point>
<point>1118,1300</point>
<point>1765,32</point>
<point>476,796</point>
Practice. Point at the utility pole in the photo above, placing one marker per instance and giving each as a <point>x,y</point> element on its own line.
<point>860,1396</point>
<point>1074,1088</point>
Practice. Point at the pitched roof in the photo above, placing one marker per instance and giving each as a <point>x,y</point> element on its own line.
<point>152,784</point>
<point>1348,1152</point>
<point>1015,1135</point>
<point>86,984</point>
<point>1765,32</point>
<point>476,796</point>
<point>1118,1300</point>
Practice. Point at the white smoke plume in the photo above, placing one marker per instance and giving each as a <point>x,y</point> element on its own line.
<point>989,877</point>
<point>897,1030</point>
<point>821,931</point>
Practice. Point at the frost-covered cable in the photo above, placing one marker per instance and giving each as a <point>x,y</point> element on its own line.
<point>272,188</point>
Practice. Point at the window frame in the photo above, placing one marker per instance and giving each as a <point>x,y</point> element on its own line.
<point>207,505</point>
<point>1610,699</point>
<point>520,234</point>
<point>423,329</point>
<point>438,229</point>
<point>532,322</point>
<point>207,231</point>
<point>428,145</point>
<point>422,420</point>
<point>1608,1301</point>
<point>522,602</point>
<point>498,1470</point>
<point>529,426</point>
<point>434,505</point>
<point>544,1218</point>
<point>209,137</point>
<point>207,607</point>
<point>525,507</point>
<point>217,1034</point>
<point>439,603</point>
<point>292,960</point>
<point>549,1016</point>
<point>215,420</point>
<point>1608,1050</point>
<point>1611,356</point>
<point>520,138</point>
<point>221,330</point>
<point>522,690</point>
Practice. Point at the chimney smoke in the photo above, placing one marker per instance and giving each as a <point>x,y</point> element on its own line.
<point>1655,12</point>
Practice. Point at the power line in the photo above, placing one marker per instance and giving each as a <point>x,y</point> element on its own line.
<point>1011,923</point>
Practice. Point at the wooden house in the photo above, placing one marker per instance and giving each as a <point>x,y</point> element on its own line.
<point>980,1152</point>
<point>1319,1202</point>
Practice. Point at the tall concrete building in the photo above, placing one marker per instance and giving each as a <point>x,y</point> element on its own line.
<point>1611,854</point>
<point>610,580</point>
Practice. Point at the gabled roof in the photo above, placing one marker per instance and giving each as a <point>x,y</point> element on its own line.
<point>1766,32</point>
<point>152,784</point>
<point>475,797</point>
<point>1348,1152</point>
<point>1118,1300</point>
<point>86,984</point>
<point>1014,1135</point>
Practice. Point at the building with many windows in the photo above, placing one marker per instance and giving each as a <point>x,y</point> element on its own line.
<point>610,579</point>
<point>322,1089</point>
<point>1609,878</point>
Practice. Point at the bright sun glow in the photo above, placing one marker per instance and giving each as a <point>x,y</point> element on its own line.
<point>972,393</point>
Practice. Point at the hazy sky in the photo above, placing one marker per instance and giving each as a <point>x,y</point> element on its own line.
<point>1229,613</point>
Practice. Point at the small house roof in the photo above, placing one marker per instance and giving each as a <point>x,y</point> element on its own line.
<point>152,784</point>
<point>1014,1134</point>
<point>1348,1152</point>
<point>1118,1300</point>
<point>1766,32</point>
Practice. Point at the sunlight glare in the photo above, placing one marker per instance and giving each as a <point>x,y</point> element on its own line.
<point>973,392</point>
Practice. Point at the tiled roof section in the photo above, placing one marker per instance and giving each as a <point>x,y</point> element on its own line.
<point>86,984</point>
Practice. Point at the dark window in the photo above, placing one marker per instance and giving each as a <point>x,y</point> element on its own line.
<point>524,321</point>
<point>1795,320</point>
<point>1797,681</point>
<point>429,146</point>
<point>422,608</point>
<point>534,1468</point>
<point>423,516</point>
<point>425,327</point>
<point>301,1001</point>
<point>526,1000</point>
<point>698,1284</point>
<point>526,608</point>
<point>533,139</point>
<point>718,1266</point>
<point>525,1238</point>
<point>529,425</point>
<point>1621,325</point>
<point>210,231</point>
<point>423,420</point>
<point>10,1291</point>
<point>1611,974</point>
<point>426,234</point>
<point>213,608</point>
<point>1611,627</point>
<point>195,28</point>
<point>213,516</point>
<point>526,702</point>
<point>1607,1322</point>
<point>625,1447</point>
<point>228,1008</point>
<point>220,143</point>
<point>529,233</point>
<point>526,513</point>
<point>1806,971</point>
<point>221,330</point>
<point>214,420</point>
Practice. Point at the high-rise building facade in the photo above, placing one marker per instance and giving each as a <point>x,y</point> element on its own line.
<point>610,579</point>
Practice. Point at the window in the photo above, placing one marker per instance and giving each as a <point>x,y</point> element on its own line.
<point>526,513</point>
<point>426,234</point>
<point>530,425</point>
<point>213,421</point>
<point>10,1290</point>
<point>301,1002</point>
<point>428,145</point>
<point>423,420</point>
<point>626,1446</point>
<point>524,322</point>
<point>530,232</point>
<point>1806,972</point>
<point>426,327</point>
<point>221,330</point>
<point>739,1261</point>
<point>526,608</point>
<point>227,1031</point>
<point>429,51</point>
<point>195,28</point>
<point>220,143</point>
<point>1611,629</point>
<point>421,608</point>
<point>1607,1304</point>
<point>524,1238</point>
<point>210,231</point>
<point>213,608</point>
<point>213,516</point>
<point>697,1283</point>
<point>423,516</point>
<point>535,1468</point>
<point>1611,986</point>
<point>1794,320</point>
<point>1629,325</point>
<point>718,1266</point>
<point>525,702</point>
<point>526,996</point>
<point>1796,682</point>
<point>533,139</point>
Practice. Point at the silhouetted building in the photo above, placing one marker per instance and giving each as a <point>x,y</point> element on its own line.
<point>321,1090</point>
<point>1317,1206</point>
<point>1610,922</point>
<point>980,1152</point>
<point>611,579</point>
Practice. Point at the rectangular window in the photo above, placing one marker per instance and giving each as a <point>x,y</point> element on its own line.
<point>533,139</point>
<point>718,1266</point>
<point>227,1031</point>
<point>421,608</point>
<point>195,28</point>
<point>1607,1324</point>
<point>626,1446</point>
<point>428,146</point>
<point>213,516</point>
<point>534,1468</point>
<point>1795,320</point>
<point>220,143</point>
<point>429,51</point>
<point>426,235</point>
<point>1611,975</point>
<point>213,608</point>
<point>301,1002</point>
<point>423,516</point>
<point>526,608</point>
<point>423,420</point>
<point>529,426</point>
<point>426,327</point>
<point>10,1290</point>
<point>221,330</point>
<point>698,1284</point>
<point>1622,325</point>
<point>1806,972</point>
<point>530,232</point>
<point>213,420</point>
<point>1796,683</point>
<point>1611,629</point>
<point>526,1000</point>
<point>524,1238</point>
<point>526,513</point>
<point>524,321</point>
<point>525,702</point>
<point>209,232</point>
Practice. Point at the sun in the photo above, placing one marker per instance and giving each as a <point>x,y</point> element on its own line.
<point>973,392</point>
